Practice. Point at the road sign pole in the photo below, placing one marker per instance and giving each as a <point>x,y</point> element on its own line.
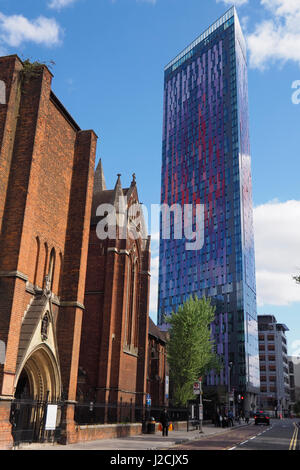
<point>200,406</point>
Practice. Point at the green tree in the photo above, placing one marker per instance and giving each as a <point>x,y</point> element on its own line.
<point>190,348</point>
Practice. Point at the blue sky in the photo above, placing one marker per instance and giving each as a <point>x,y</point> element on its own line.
<point>109,59</point>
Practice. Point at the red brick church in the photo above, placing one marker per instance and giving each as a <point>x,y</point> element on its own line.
<point>114,343</point>
<point>69,300</point>
<point>46,184</point>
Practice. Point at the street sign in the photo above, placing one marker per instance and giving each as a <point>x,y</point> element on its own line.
<point>148,400</point>
<point>166,387</point>
<point>196,388</point>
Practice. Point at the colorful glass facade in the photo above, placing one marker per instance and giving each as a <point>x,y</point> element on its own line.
<point>206,160</point>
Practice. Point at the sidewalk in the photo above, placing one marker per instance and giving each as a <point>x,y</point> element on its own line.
<point>140,442</point>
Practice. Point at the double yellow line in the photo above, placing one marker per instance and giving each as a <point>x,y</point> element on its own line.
<point>293,442</point>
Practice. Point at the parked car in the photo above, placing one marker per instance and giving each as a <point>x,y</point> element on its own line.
<point>261,417</point>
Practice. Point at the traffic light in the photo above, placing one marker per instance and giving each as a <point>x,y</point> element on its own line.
<point>240,398</point>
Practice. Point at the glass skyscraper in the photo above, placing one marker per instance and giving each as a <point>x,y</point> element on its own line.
<point>206,161</point>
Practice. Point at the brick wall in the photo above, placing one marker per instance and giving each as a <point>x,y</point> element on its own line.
<point>9,73</point>
<point>115,370</point>
<point>46,182</point>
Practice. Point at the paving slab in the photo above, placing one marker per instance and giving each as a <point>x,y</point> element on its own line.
<point>139,442</point>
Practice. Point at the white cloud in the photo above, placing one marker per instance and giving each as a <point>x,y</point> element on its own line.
<point>278,37</point>
<point>282,7</point>
<point>277,252</point>
<point>59,4</point>
<point>16,29</point>
<point>295,349</point>
<point>277,247</point>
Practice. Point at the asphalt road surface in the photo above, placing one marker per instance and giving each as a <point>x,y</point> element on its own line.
<point>279,435</point>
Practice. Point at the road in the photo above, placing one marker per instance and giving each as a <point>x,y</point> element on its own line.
<point>280,435</point>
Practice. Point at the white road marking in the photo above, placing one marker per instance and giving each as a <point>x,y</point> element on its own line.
<point>251,438</point>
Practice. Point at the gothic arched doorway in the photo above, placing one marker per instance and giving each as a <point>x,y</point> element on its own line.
<point>38,386</point>
<point>40,377</point>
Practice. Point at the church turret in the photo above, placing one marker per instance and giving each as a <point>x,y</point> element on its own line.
<point>99,180</point>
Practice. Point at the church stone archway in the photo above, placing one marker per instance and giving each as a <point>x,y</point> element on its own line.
<point>39,378</point>
<point>38,387</point>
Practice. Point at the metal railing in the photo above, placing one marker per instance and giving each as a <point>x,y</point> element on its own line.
<point>121,412</point>
<point>29,417</point>
<point>28,420</point>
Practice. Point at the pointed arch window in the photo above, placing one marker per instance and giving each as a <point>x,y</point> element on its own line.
<point>51,268</point>
<point>2,92</point>
<point>131,325</point>
<point>37,260</point>
<point>44,326</point>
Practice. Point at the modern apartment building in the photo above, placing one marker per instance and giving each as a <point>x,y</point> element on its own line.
<point>206,164</point>
<point>274,366</point>
<point>294,376</point>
